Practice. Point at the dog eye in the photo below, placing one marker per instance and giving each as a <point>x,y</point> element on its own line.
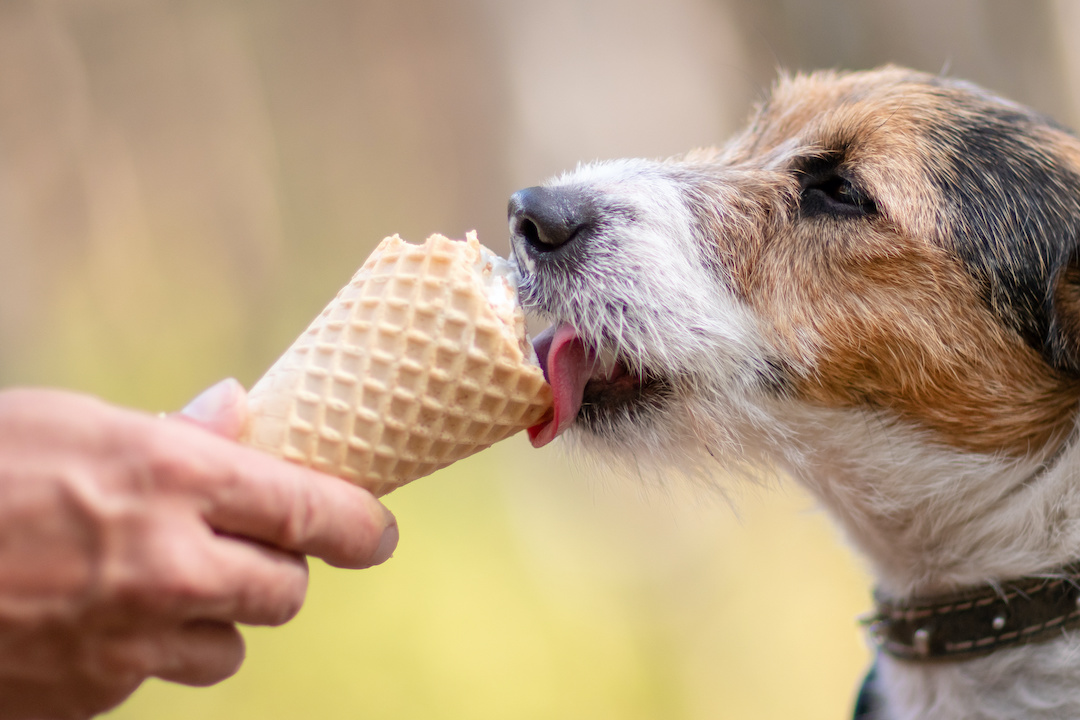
<point>834,195</point>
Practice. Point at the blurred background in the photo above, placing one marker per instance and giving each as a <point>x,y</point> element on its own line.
<point>185,184</point>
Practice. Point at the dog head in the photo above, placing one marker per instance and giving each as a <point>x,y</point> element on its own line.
<point>876,286</point>
<point>887,242</point>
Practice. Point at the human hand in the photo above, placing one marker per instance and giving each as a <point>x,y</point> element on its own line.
<point>131,546</point>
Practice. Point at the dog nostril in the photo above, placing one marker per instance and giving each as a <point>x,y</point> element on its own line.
<point>547,218</point>
<point>528,230</point>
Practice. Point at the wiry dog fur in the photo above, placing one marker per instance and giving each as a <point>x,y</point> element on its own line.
<point>876,286</point>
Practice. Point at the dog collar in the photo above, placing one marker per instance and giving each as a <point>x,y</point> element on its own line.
<point>978,621</point>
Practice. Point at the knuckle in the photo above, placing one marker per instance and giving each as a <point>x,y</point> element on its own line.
<point>185,579</point>
<point>334,520</point>
<point>171,576</point>
<point>128,662</point>
<point>162,465</point>
<point>301,519</point>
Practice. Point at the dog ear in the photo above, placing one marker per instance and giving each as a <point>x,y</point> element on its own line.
<point>1063,341</point>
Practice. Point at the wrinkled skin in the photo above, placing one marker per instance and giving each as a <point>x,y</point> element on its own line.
<point>131,546</point>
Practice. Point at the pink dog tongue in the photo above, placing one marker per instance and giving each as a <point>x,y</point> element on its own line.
<point>567,365</point>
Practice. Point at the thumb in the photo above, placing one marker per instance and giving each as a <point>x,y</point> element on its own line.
<point>221,409</point>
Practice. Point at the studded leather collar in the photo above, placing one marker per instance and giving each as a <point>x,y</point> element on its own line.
<point>978,621</point>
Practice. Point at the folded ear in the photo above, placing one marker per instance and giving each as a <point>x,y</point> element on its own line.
<point>1063,341</point>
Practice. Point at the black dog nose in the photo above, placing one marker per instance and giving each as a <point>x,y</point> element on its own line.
<point>546,218</point>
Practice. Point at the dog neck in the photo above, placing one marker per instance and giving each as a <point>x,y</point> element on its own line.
<point>932,519</point>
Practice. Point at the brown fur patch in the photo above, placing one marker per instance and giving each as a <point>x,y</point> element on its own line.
<point>880,310</point>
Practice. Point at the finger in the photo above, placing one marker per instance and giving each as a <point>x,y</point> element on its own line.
<point>307,512</point>
<point>222,409</point>
<point>313,514</point>
<point>246,492</point>
<point>198,652</point>
<point>182,570</point>
<point>255,584</point>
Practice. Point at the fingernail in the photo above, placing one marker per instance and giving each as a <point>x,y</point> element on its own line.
<point>211,402</point>
<point>387,543</point>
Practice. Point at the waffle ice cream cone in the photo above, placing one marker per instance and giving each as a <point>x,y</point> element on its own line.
<point>421,360</point>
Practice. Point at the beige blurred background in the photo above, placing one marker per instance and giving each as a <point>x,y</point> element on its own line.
<point>183,185</point>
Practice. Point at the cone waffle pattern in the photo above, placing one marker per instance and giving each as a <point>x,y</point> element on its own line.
<point>409,369</point>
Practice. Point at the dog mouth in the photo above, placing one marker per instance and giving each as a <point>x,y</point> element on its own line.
<point>587,386</point>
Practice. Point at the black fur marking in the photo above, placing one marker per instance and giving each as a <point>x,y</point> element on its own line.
<point>1013,214</point>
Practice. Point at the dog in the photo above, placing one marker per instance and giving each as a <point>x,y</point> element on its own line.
<point>875,287</point>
